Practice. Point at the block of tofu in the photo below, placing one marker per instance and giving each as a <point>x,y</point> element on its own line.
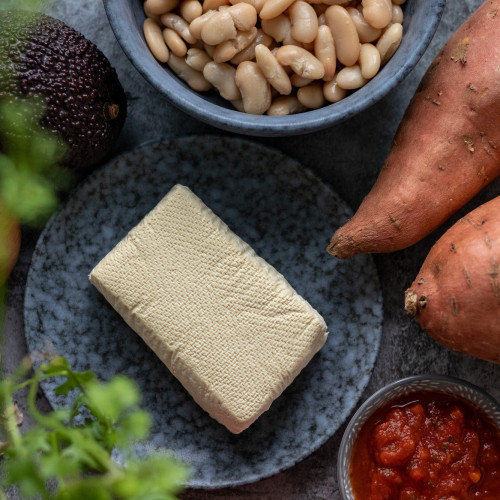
<point>224,321</point>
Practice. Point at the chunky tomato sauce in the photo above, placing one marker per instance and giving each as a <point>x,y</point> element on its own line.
<point>427,446</point>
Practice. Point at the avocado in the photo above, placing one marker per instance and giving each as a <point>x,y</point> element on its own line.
<point>85,104</point>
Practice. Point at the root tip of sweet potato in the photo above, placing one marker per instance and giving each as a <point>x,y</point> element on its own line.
<point>411,301</point>
<point>341,247</point>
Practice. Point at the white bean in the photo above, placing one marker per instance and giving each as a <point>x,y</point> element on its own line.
<point>174,42</point>
<point>324,50</point>
<point>299,81</point>
<point>193,78</point>
<point>254,88</point>
<point>248,53</point>
<point>273,8</point>
<point>155,41</point>
<point>366,32</point>
<point>308,46</point>
<point>301,61</point>
<point>225,51</point>
<point>369,60</point>
<point>175,22</point>
<point>197,24</point>
<point>209,49</point>
<point>222,77</point>
<point>350,78</point>
<point>159,7</point>
<point>389,42</point>
<point>197,58</point>
<point>332,92</point>
<point>344,33</point>
<point>238,104</point>
<point>218,28</point>
<point>190,10</point>
<point>397,14</point>
<point>284,106</point>
<point>378,13</point>
<point>272,70</point>
<point>244,16</point>
<point>330,2</point>
<point>213,4</point>
<point>304,21</point>
<point>311,96</point>
<point>279,27</point>
<point>256,4</point>
<point>156,19</point>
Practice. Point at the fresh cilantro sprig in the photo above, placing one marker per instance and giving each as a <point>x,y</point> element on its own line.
<point>66,455</point>
<point>29,171</point>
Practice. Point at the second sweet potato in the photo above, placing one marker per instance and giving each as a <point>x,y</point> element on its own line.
<point>456,294</point>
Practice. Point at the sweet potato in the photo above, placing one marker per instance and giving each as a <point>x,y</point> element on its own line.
<point>446,148</point>
<point>10,242</point>
<point>456,295</point>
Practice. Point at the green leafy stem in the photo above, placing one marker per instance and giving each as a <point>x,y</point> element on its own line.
<point>66,454</point>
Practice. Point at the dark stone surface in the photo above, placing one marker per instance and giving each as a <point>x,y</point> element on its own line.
<point>348,157</point>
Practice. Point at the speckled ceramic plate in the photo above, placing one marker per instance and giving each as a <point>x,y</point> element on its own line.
<point>287,215</point>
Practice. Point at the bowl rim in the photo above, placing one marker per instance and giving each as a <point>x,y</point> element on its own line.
<point>196,106</point>
<point>376,397</point>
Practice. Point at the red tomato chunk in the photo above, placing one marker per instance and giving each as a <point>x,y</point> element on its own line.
<point>427,445</point>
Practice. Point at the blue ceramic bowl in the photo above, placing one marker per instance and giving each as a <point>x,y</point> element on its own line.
<point>421,18</point>
<point>448,385</point>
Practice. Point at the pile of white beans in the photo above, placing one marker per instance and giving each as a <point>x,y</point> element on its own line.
<point>274,56</point>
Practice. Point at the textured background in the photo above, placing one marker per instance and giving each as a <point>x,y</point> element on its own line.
<point>348,157</point>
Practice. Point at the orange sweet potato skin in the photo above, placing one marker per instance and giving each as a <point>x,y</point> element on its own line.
<point>456,295</point>
<point>10,237</point>
<point>446,149</point>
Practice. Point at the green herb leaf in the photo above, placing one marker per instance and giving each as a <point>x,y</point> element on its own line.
<point>112,398</point>
<point>74,381</point>
<point>155,477</point>
<point>24,474</point>
<point>59,459</point>
<point>133,427</point>
<point>36,441</point>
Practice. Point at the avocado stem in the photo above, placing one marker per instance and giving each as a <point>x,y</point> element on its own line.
<point>111,111</point>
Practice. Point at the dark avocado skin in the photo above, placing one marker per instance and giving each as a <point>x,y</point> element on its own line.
<point>85,103</point>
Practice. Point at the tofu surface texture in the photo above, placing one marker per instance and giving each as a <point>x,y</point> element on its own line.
<point>224,321</point>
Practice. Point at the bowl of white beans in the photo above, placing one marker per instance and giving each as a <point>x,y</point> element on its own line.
<point>274,67</point>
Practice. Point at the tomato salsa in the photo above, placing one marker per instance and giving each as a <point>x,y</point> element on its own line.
<point>427,445</point>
